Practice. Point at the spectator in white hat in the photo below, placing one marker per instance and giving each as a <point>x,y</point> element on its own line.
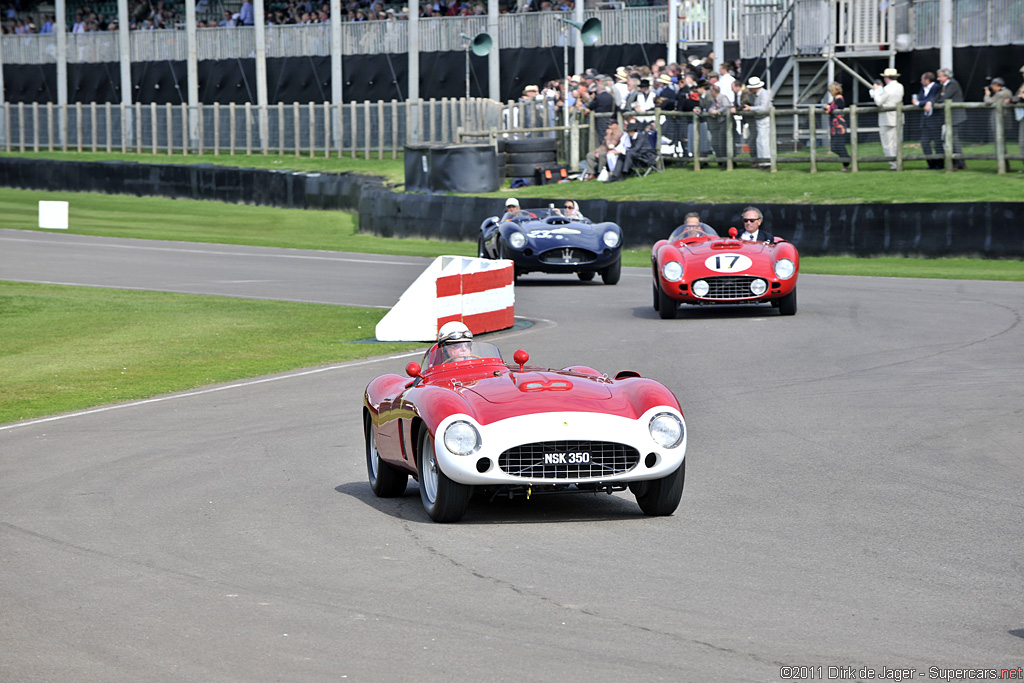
<point>760,108</point>
<point>888,95</point>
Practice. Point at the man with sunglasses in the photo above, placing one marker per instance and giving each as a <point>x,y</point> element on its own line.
<point>752,231</point>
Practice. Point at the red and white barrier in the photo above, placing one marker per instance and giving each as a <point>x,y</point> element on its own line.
<point>477,292</point>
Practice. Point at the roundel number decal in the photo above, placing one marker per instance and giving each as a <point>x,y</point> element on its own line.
<point>728,263</point>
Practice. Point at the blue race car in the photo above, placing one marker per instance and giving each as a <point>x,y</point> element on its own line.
<point>553,241</point>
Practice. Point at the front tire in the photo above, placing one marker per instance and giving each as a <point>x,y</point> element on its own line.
<point>612,273</point>
<point>480,251</point>
<point>503,254</point>
<point>660,498</point>
<point>667,306</point>
<point>385,480</point>
<point>586,275</point>
<point>787,304</point>
<point>443,499</point>
<point>657,298</point>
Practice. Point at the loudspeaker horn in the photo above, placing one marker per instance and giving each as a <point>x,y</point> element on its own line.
<point>480,45</point>
<point>590,30</point>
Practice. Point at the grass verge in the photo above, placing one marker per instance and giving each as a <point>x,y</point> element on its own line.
<point>792,184</point>
<point>213,222</point>
<point>888,266</point>
<point>186,220</point>
<point>69,348</point>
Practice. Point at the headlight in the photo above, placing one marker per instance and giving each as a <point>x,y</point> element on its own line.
<point>611,239</point>
<point>784,269</point>
<point>517,240</point>
<point>701,288</point>
<point>666,430</point>
<point>673,271</point>
<point>758,287</point>
<point>461,438</point>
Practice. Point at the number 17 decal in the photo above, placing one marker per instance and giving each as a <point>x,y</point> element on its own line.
<point>728,263</point>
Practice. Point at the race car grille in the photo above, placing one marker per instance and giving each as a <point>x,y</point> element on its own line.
<point>567,255</point>
<point>568,459</point>
<point>728,287</point>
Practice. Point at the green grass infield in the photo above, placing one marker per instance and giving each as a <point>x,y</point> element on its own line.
<point>65,348</point>
<point>68,348</point>
<point>793,183</point>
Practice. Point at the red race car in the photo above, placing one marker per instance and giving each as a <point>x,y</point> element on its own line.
<point>697,266</point>
<point>464,420</point>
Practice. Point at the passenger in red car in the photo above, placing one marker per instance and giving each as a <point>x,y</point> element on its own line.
<point>752,230</point>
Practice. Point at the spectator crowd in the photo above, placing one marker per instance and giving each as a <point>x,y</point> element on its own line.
<point>158,14</point>
<point>715,90</point>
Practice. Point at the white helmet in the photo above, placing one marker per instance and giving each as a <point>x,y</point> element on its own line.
<point>453,331</point>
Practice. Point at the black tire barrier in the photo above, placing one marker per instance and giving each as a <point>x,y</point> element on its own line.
<point>521,170</point>
<point>451,168</point>
<point>953,229</point>
<point>531,145</point>
<point>532,157</point>
<point>284,189</point>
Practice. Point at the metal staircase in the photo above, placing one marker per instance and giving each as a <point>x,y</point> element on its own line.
<point>813,40</point>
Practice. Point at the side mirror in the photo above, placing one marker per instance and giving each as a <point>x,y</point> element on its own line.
<point>520,357</point>
<point>413,369</point>
<point>732,232</point>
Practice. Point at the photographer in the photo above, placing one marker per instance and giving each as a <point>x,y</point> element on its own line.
<point>996,91</point>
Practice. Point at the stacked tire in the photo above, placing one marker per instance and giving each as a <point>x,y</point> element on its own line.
<point>524,156</point>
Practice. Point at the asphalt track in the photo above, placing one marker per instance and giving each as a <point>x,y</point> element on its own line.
<point>853,498</point>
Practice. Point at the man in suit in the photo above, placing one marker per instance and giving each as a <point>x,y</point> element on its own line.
<point>1017,98</point>
<point>886,96</point>
<point>639,154</point>
<point>759,108</point>
<point>995,92</point>
<point>950,91</point>
<point>931,123</point>
<point>752,230</point>
<point>716,124</point>
<point>601,103</point>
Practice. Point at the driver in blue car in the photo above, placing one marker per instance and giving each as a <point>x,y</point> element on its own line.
<point>511,208</point>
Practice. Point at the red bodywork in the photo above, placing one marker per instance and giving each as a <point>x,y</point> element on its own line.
<point>489,390</point>
<point>728,265</point>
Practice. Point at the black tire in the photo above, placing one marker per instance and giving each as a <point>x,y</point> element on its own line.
<point>612,273</point>
<point>787,304</point>
<point>533,158</point>
<point>660,497</point>
<point>586,275</point>
<point>657,293</point>
<point>443,499</point>
<point>502,254</point>
<point>531,145</point>
<point>667,306</point>
<point>521,170</point>
<point>480,251</point>
<point>385,480</point>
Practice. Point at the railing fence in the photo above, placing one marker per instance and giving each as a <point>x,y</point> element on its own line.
<point>378,129</point>
<point>313,129</point>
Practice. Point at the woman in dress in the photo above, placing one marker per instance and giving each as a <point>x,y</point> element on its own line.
<point>838,131</point>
